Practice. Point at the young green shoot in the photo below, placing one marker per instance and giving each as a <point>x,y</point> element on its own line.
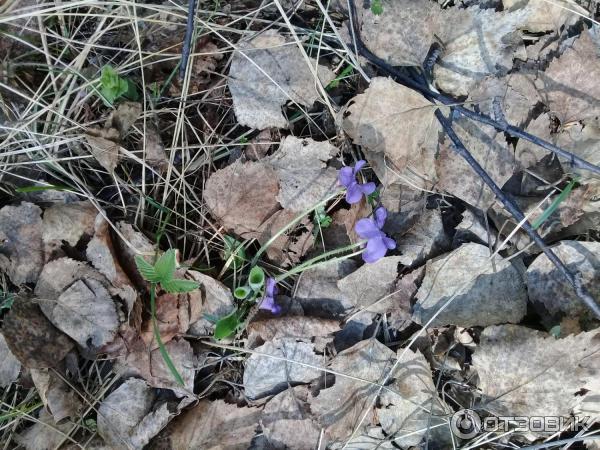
<point>113,87</point>
<point>162,273</point>
<point>557,201</point>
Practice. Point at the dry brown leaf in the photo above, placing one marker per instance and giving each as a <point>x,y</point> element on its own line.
<point>214,426</point>
<point>424,240</point>
<point>369,284</point>
<point>243,196</point>
<point>404,33</point>
<point>75,298</point>
<point>21,251</point>
<point>128,418</point>
<point>146,362</point>
<point>104,146</point>
<point>477,43</point>
<point>404,205</point>
<point>406,287</point>
<point>569,85</point>
<point>289,247</point>
<point>123,117</point>
<point>139,243</point>
<point>267,72</point>
<point>299,327</point>
<point>155,154</point>
<point>10,367</point>
<point>67,222</point>
<point>213,299</point>
<point>490,149</point>
<point>482,293</point>
<point>175,313</point>
<point>31,338</point>
<point>545,16</point>
<point>549,290</point>
<point>304,178</point>
<point>524,372</point>
<point>318,292</point>
<point>287,422</point>
<point>515,94</point>
<point>44,434</point>
<point>101,253</point>
<point>264,375</point>
<point>60,399</point>
<point>394,120</point>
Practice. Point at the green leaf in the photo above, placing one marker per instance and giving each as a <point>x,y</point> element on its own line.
<point>557,201</point>
<point>112,86</point>
<point>177,285</point>
<point>165,266</point>
<point>256,280</point>
<point>376,7</point>
<point>26,189</point>
<point>227,325</point>
<point>235,249</point>
<point>242,292</point>
<point>146,270</point>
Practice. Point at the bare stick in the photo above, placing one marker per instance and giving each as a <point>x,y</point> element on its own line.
<point>187,43</point>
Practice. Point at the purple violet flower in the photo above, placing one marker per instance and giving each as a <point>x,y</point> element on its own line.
<point>354,190</point>
<point>377,242</point>
<point>268,301</point>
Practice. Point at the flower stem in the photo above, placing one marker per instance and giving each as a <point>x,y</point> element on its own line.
<point>266,245</point>
<point>161,346</point>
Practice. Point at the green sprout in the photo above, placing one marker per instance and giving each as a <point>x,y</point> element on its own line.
<point>162,273</point>
<point>322,219</point>
<point>113,87</point>
<point>376,7</point>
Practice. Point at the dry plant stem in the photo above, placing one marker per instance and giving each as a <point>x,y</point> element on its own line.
<point>514,210</point>
<point>405,80</point>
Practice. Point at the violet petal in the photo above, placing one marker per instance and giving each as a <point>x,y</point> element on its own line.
<point>354,193</point>
<point>375,250</point>
<point>346,176</point>
<point>367,229</point>
<point>359,165</point>
<point>380,216</point>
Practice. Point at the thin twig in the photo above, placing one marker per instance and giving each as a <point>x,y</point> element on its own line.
<point>187,43</point>
<point>459,148</point>
<point>405,80</point>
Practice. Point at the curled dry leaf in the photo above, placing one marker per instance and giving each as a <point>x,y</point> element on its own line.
<point>243,196</point>
<point>289,411</point>
<point>568,85</point>
<point>10,367</point>
<point>489,148</point>
<point>266,375</point>
<point>549,290</point>
<point>21,254</point>
<point>32,338</point>
<point>394,120</point>
<point>67,222</point>
<point>101,253</point>
<point>75,298</point>
<point>128,418</point>
<point>524,372</point>
<point>318,292</point>
<point>266,73</point>
<point>214,426</point>
<point>104,147</point>
<point>304,178</point>
<point>60,399</point>
<point>480,292</point>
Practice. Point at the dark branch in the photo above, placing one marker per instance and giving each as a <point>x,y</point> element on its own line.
<point>187,42</point>
<point>405,80</point>
<point>459,148</point>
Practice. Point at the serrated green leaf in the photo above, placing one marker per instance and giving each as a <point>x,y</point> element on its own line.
<point>242,292</point>
<point>177,286</point>
<point>165,266</point>
<point>146,270</point>
<point>376,7</point>
<point>227,325</point>
<point>256,279</point>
